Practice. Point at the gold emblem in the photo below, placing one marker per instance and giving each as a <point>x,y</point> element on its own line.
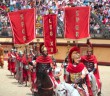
<point>77,34</point>
<point>24,38</point>
<point>23,31</point>
<point>77,19</point>
<point>50,26</point>
<point>51,33</point>
<point>50,21</point>
<point>77,13</point>
<point>51,43</point>
<point>22,24</point>
<point>21,16</point>
<point>77,27</point>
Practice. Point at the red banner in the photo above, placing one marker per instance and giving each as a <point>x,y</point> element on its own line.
<point>50,29</point>
<point>77,22</point>
<point>23,25</point>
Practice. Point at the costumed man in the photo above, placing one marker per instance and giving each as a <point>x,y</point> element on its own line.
<point>78,73</point>
<point>1,57</point>
<point>44,63</point>
<point>90,62</point>
<point>31,55</point>
<point>57,71</point>
<point>19,71</point>
<point>64,65</point>
<point>32,74</point>
<point>25,68</point>
<point>9,61</point>
<point>16,55</point>
<point>30,58</point>
<point>12,63</point>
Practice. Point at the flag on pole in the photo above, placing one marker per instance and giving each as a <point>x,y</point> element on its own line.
<point>23,25</point>
<point>50,29</point>
<point>77,22</point>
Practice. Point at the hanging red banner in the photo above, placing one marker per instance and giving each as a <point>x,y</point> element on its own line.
<point>77,22</point>
<point>50,29</point>
<point>23,25</point>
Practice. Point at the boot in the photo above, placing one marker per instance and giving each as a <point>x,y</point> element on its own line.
<point>99,94</point>
<point>36,94</point>
<point>2,66</point>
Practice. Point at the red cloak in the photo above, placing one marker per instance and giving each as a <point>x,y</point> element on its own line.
<point>77,69</point>
<point>93,59</point>
<point>44,60</point>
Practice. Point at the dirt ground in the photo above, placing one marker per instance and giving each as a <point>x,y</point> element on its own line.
<point>10,87</point>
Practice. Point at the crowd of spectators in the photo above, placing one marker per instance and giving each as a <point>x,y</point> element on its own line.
<point>10,6</point>
<point>101,9</point>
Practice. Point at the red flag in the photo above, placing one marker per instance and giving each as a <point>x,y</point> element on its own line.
<point>77,22</point>
<point>23,25</point>
<point>50,29</point>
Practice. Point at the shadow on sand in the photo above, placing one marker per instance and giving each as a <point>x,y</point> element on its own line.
<point>29,94</point>
<point>10,76</point>
<point>15,83</point>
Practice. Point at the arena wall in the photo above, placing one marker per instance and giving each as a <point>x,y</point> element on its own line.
<point>101,48</point>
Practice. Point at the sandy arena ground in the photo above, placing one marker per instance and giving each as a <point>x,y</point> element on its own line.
<point>10,87</point>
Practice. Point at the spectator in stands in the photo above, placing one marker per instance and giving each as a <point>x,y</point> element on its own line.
<point>101,8</point>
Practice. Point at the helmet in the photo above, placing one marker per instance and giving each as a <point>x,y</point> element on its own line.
<point>42,48</point>
<point>75,50</point>
<point>89,46</point>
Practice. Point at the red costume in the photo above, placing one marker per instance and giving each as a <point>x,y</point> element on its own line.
<point>89,62</point>
<point>1,57</point>
<point>75,71</point>
<point>11,62</point>
<point>32,73</point>
<point>25,68</point>
<point>45,62</point>
<point>33,77</point>
<point>19,68</point>
<point>78,68</point>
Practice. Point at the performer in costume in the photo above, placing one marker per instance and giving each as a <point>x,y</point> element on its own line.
<point>57,71</point>
<point>31,55</point>
<point>78,73</point>
<point>25,68</point>
<point>64,65</point>
<point>1,57</point>
<point>9,61</point>
<point>90,62</point>
<point>19,71</point>
<point>16,56</point>
<point>32,74</point>
<point>12,62</point>
<point>44,62</point>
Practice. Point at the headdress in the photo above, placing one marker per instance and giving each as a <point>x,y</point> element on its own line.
<point>75,48</point>
<point>89,46</point>
<point>42,48</point>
